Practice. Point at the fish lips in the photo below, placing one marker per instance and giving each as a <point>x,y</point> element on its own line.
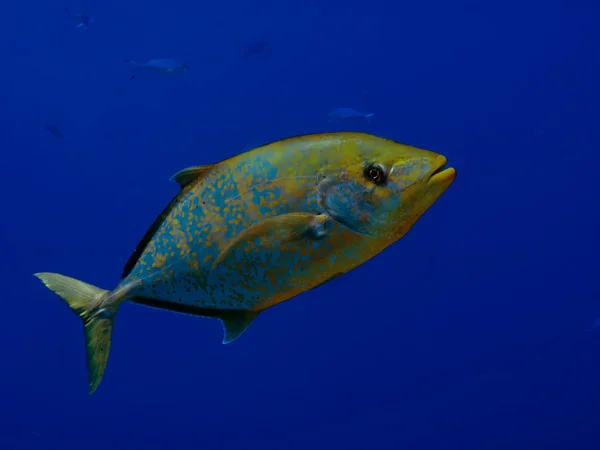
<point>440,175</point>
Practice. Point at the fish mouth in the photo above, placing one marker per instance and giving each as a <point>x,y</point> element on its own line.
<point>440,175</point>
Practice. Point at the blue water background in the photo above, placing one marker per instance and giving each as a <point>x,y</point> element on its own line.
<point>469,333</point>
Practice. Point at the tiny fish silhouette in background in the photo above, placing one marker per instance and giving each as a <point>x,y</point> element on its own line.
<point>254,49</point>
<point>594,326</point>
<point>164,65</point>
<point>53,130</point>
<point>348,113</point>
<point>82,20</point>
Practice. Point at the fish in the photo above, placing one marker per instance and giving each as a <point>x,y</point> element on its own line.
<point>254,49</point>
<point>261,227</point>
<point>594,326</point>
<point>165,65</point>
<point>349,113</point>
<point>82,20</point>
<point>53,130</point>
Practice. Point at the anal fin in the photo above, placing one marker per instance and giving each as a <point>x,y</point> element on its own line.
<point>235,323</point>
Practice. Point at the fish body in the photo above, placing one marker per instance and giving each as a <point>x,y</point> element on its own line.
<point>349,113</point>
<point>254,49</point>
<point>263,226</point>
<point>53,130</point>
<point>595,326</point>
<point>165,65</point>
<point>82,20</point>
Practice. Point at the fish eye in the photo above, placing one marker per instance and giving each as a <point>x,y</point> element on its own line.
<point>375,173</point>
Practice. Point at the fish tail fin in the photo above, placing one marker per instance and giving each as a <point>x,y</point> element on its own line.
<point>369,117</point>
<point>85,299</point>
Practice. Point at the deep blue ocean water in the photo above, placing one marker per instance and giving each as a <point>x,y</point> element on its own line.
<point>481,339</point>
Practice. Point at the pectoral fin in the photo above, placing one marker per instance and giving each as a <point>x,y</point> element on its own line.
<point>282,229</point>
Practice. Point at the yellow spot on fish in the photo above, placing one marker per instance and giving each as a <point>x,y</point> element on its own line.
<point>159,261</point>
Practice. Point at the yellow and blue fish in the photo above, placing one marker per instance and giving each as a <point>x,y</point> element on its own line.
<point>260,228</point>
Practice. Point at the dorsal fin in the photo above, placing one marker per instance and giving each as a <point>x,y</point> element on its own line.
<point>186,176</point>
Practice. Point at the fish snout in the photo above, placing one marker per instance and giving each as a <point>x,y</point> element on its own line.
<point>440,175</point>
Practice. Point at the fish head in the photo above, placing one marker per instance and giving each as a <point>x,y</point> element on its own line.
<point>383,187</point>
